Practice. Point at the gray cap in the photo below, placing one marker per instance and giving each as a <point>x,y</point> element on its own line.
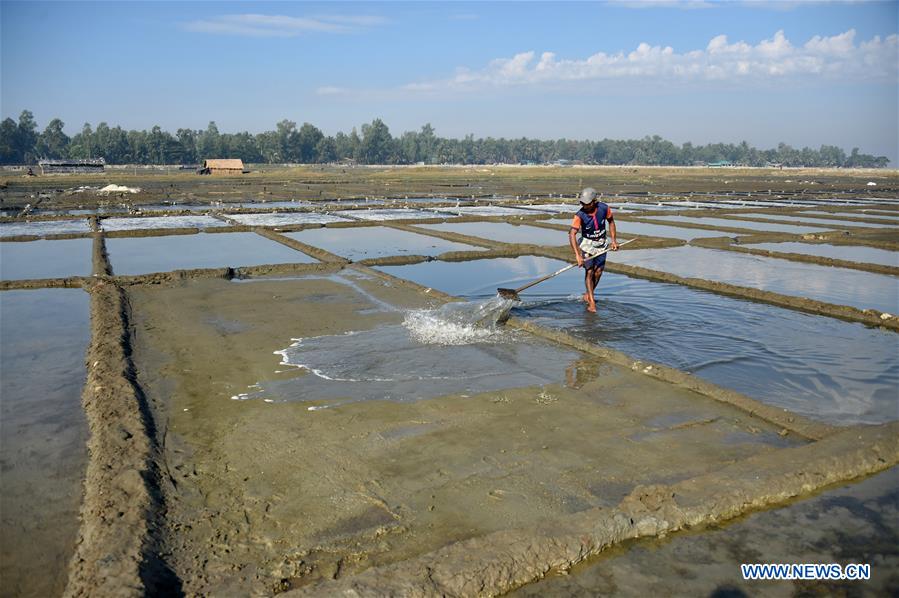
<point>587,195</point>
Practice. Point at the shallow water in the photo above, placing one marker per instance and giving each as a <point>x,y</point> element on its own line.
<point>157,222</point>
<point>749,225</point>
<point>841,286</point>
<point>43,431</point>
<point>658,230</point>
<point>641,206</point>
<point>552,208</point>
<point>394,214</point>
<point>376,241</point>
<point>823,221</point>
<point>143,255</point>
<point>767,204</point>
<point>190,207</point>
<point>690,205</point>
<point>485,211</point>
<point>448,350</point>
<point>856,214</point>
<point>41,229</point>
<point>857,523</point>
<point>266,205</point>
<point>503,232</point>
<point>852,253</point>
<point>285,219</point>
<point>772,354</point>
<point>45,259</point>
<point>480,278</point>
<point>424,200</point>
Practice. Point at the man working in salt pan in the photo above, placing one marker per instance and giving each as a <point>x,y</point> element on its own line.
<point>590,221</point>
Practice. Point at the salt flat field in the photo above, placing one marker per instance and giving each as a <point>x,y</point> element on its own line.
<point>327,400</point>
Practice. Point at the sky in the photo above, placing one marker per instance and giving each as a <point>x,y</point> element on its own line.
<point>805,72</point>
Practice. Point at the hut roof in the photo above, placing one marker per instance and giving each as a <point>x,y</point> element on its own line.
<point>227,163</point>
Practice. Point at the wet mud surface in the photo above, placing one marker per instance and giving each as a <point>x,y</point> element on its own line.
<point>858,523</point>
<point>383,480</point>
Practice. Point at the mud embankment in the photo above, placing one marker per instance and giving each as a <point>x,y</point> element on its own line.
<point>502,561</point>
<point>116,554</point>
<point>71,282</point>
<point>319,254</point>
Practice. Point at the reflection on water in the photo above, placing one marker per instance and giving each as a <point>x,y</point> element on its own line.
<point>746,224</point>
<point>45,259</point>
<point>479,278</point>
<point>842,286</point>
<point>503,232</point>
<point>43,337</point>
<point>142,255</point>
<point>484,211</point>
<point>852,253</point>
<point>773,354</point>
<point>394,214</point>
<point>835,223</point>
<point>769,353</point>
<point>658,230</point>
<point>376,241</point>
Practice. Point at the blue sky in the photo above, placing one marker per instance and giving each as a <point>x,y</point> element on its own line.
<point>800,72</point>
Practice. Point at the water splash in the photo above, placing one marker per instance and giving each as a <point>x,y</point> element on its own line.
<point>460,323</point>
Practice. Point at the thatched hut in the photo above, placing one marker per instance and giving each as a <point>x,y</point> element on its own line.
<point>222,166</point>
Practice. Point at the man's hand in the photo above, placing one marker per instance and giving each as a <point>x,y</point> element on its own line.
<point>580,259</point>
<point>614,245</point>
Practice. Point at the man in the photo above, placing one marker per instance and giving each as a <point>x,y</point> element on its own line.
<point>590,221</point>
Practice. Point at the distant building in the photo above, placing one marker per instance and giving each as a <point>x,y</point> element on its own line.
<point>222,166</point>
<point>720,164</point>
<point>72,166</point>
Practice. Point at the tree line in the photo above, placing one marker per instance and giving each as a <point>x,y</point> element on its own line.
<point>22,143</point>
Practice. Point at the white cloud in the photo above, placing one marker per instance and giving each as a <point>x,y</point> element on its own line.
<point>257,25</point>
<point>834,57</point>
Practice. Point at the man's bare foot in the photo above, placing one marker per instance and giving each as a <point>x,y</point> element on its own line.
<point>591,308</point>
<point>586,298</point>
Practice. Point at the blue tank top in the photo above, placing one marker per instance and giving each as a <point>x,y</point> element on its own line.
<point>593,226</point>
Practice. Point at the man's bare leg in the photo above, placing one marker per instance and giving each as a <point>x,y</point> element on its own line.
<point>590,283</point>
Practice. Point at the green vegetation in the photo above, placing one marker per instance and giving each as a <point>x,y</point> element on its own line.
<point>20,143</point>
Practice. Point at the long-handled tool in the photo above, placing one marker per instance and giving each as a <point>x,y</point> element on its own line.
<point>513,293</point>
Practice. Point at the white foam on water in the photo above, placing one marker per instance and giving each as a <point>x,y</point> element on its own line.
<point>460,323</point>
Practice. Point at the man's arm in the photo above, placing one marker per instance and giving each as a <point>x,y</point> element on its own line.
<point>613,230</point>
<point>572,240</point>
